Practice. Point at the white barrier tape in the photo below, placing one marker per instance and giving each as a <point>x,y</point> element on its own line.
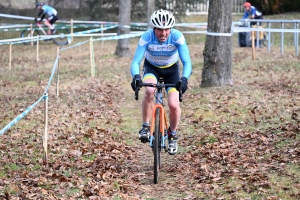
<point>16,16</point>
<point>111,36</point>
<point>75,45</point>
<point>15,26</point>
<point>125,36</point>
<point>96,30</point>
<point>19,117</point>
<point>273,30</point>
<point>219,34</point>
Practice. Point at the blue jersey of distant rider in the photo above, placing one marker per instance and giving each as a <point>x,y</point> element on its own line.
<point>162,55</point>
<point>253,12</point>
<point>48,10</point>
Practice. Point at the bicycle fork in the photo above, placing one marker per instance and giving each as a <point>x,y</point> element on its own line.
<point>163,123</point>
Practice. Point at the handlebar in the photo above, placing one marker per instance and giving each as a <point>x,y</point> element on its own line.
<point>158,86</point>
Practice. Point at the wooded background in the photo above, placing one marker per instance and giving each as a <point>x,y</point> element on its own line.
<point>108,9</point>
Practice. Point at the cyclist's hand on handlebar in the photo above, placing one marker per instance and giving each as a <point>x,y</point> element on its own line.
<point>136,82</point>
<point>182,84</point>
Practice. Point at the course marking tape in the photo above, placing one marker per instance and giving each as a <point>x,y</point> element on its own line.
<point>19,117</point>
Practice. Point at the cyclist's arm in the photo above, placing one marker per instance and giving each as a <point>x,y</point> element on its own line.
<point>139,53</point>
<point>246,15</point>
<point>43,15</point>
<point>184,54</point>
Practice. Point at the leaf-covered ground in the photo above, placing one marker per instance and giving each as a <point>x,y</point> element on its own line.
<point>236,142</point>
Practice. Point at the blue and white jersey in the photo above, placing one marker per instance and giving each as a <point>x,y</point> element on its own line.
<point>252,12</point>
<point>48,10</point>
<point>162,55</point>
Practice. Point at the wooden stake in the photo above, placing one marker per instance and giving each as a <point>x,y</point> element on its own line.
<point>253,46</point>
<point>102,35</point>
<point>57,74</point>
<point>92,57</point>
<point>10,50</point>
<point>45,138</point>
<point>37,48</point>
<point>72,30</point>
<point>31,34</point>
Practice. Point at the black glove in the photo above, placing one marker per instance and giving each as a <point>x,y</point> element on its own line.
<point>136,82</point>
<point>182,84</point>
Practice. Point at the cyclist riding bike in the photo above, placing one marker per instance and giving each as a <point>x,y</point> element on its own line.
<point>51,16</point>
<point>162,47</point>
<point>253,13</point>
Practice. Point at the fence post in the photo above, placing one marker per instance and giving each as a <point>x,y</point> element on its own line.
<point>31,34</point>
<point>297,39</point>
<point>72,30</point>
<point>37,48</point>
<point>253,46</point>
<point>102,35</point>
<point>45,138</point>
<point>282,38</point>
<point>92,57</point>
<point>269,36</point>
<point>10,50</point>
<point>57,74</point>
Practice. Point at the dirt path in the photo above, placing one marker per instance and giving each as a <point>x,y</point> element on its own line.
<point>142,164</point>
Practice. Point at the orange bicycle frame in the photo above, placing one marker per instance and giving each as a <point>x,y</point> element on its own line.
<point>163,119</point>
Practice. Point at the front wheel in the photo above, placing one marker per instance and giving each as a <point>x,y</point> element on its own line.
<point>266,38</point>
<point>63,38</point>
<point>157,145</point>
<point>28,34</point>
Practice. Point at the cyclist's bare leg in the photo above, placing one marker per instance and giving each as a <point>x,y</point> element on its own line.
<point>175,111</point>
<point>50,26</point>
<point>147,102</point>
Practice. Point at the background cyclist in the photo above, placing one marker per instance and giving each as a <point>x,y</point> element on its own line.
<point>162,47</point>
<point>253,13</point>
<point>51,16</point>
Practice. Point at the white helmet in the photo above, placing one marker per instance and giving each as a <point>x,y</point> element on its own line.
<point>162,19</point>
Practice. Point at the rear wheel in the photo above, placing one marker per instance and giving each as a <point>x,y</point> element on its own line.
<point>266,38</point>
<point>63,38</point>
<point>157,145</point>
<point>27,34</point>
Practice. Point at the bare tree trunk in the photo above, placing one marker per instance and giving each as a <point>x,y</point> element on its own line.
<point>218,49</point>
<point>123,47</point>
<point>150,10</point>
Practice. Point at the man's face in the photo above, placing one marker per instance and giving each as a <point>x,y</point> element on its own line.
<point>247,8</point>
<point>162,34</point>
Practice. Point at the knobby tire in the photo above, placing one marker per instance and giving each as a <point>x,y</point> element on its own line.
<point>157,145</point>
<point>63,39</point>
<point>26,34</point>
<point>265,42</point>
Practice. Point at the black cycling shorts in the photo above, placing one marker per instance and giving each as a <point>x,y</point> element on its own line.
<point>52,19</point>
<point>170,74</point>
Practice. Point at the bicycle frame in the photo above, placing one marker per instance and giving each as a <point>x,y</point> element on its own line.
<point>163,118</point>
<point>59,37</point>
<point>159,104</point>
<point>159,127</point>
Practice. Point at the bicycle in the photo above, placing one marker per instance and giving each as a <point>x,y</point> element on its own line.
<point>62,39</point>
<point>159,124</point>
<point>263,37</point>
